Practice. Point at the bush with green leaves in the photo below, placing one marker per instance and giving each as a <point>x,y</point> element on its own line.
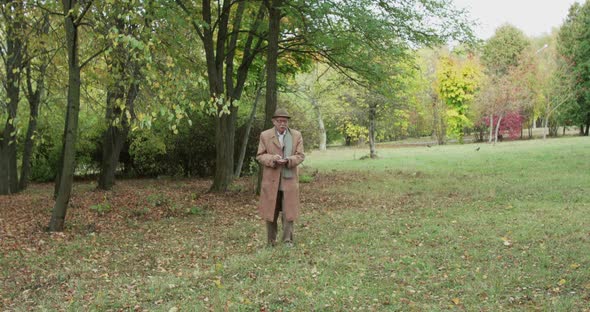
<point>147,151</point>
<point>48,148</point>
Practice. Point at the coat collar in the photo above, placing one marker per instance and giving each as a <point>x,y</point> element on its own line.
<point>275,137</point>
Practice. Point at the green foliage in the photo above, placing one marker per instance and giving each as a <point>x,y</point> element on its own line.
<point>456,123</point>
<point>43,169</point>
<point>395,125</point>
<point>354,133</point>
<point>191,151</point>
<point>101,208</point>
<point>457,83</point>
<point>305,178</point>
<point>147,151</point>
<point>48,146</point>
<point>253,167</point>
<point>503,50</point>
<point>574,46</point>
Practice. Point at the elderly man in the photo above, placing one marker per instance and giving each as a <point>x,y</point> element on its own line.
<point>280,151</point>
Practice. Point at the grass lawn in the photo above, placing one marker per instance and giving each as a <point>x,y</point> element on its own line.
<point>502,228</point>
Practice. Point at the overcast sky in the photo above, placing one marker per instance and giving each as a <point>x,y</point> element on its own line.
<point>533,17</point>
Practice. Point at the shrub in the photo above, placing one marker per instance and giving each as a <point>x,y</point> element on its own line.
<point>147,151</point>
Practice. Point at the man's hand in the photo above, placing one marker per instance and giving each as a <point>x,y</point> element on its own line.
<point>282,161</point>
<point>278,160</point>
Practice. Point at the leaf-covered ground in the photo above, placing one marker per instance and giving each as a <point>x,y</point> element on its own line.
<point>420,229</point>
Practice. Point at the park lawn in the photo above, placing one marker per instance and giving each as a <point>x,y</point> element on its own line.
<point>505,227</point>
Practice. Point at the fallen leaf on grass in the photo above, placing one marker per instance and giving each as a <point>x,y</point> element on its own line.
<point>506,241</point>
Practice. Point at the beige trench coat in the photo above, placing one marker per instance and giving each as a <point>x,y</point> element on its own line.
<point>267,147</point>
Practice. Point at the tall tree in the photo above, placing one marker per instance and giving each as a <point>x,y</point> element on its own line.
<point>272,56</point>
<point>316,88</point>
<point>74,13</point>
<point>501,54</point>
<point>557,88</point>
<point>228,39</point>
<point>12,51</point>
<point>371,42</point>
<point>503,50</point>
<point>574,45</point>
<point>457,84</point>
<point>38,59</point>
<point>125,61</point>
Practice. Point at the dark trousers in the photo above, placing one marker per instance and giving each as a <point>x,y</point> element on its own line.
<point>271,227</point>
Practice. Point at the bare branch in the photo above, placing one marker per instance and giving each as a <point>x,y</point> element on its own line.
<point>81,15</point>
<point>187,12</point>
<point>48,10</point>
<point>94,56</point>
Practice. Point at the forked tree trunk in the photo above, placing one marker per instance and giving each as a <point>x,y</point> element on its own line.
<point>221,78</point>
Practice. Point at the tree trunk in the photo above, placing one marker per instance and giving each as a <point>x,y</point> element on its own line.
<point>438,120</point>
<point>225,52</point>
<point>113,140</point>
<point>34,98</point>
<point>127,72</point>
<point>34,104</point>
<point>372,116</point>
<point>322,128</point>
<point>217,52</point>
<point>272,55</point>
<point>491,128</point>
<point>68,158</point>
<point>498,129</point>
<point>13,59</point>
<point>246,137</point>
<point>224,146</point>
<point>545,126</point>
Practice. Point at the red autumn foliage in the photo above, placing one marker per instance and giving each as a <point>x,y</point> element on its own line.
<point>511,124</point>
